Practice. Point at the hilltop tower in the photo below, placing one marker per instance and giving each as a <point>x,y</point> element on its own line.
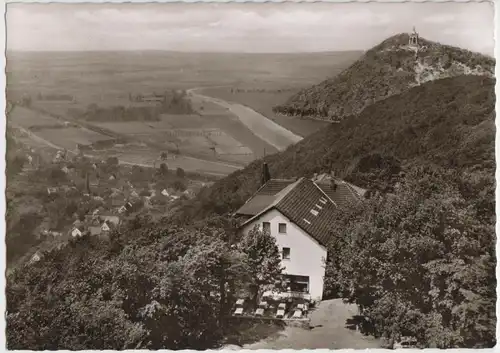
<point>413,41</point>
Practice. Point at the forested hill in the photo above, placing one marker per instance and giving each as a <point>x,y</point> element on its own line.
<point>387,69</point>
<point>448,122</point>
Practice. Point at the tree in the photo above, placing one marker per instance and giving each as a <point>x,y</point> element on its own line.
<point>163,169</point>
<point>178,185</point>
<point>180,173</point>
<point>112,161</point>
<point>263,261</point>
<point>56,175</point>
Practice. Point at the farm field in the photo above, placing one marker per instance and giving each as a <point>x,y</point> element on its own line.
<point>28,118</point>
<point>69,137</point>
<point>190,134</point>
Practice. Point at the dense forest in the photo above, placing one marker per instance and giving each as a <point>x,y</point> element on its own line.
<point>421,262</point>
<point>385,70</point>
<point>148,287</point>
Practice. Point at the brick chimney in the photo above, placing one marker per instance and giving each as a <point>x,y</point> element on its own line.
<point>333,181</point>
<point>266,175</point>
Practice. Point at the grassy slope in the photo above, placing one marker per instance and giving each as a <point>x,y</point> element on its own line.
<point>449,122</point>
<point>387,69</point>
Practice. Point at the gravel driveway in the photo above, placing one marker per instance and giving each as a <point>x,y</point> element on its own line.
<point>329,331</point>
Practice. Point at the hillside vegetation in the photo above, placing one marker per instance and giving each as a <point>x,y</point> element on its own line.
<point>419,258</point>
<point>418,261</point>
<point>448,122</point>
<point>387,69</point>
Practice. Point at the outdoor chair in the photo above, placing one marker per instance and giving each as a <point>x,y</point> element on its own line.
<point>240,302</point>
<point>297,314</point>
<point>280,314</point>
<point>263,304</point>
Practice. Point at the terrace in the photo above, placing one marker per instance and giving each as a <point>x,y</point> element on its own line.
<point>291,307</point>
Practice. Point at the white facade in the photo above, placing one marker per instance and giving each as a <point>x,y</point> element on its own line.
<point>76,233</point>
<point>306,255</point>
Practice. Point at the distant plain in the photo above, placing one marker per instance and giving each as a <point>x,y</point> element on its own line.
<point>258,81</point>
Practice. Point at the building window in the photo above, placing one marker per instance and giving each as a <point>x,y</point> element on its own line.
<point>286,253</point>
<point>282,228</point>
<point>297,283</point>
<point>266,227</point>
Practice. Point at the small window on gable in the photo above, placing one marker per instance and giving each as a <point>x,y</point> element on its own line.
<point>286,253</point>
<point>282,228</point>
<point>314,212</point>
<point>266,227</point>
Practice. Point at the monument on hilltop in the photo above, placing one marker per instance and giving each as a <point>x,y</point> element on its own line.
<point>413,42</point>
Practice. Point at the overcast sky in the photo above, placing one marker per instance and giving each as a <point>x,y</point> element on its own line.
<point>268,27</point>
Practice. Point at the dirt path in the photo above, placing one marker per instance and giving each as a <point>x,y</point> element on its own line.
<point>264,128</point>
<point>329,331</point>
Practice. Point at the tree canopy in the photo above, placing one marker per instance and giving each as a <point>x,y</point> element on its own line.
<point>421,262</point>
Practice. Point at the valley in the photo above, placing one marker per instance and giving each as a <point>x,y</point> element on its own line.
<point>219,200</point>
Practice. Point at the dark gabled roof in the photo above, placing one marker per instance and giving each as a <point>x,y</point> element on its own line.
<point>298,203</point>
<point>309,205</point>
<point>263,197</point>
<point>341,193</point>
<point>273,186</point>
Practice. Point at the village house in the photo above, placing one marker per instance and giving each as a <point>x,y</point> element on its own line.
<point>298,214</point>
<point>36,257</point>
<point>125,208</point>
<point>105,227</point>
<point>76,232</point>
<point>164,192</point>
<point>110,219</point>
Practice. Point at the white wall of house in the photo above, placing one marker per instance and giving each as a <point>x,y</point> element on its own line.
<point>307,256</point>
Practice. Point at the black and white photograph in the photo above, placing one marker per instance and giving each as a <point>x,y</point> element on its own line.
<point>226,176</point>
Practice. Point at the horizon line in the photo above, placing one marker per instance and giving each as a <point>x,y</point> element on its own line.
<point>181,51</point>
